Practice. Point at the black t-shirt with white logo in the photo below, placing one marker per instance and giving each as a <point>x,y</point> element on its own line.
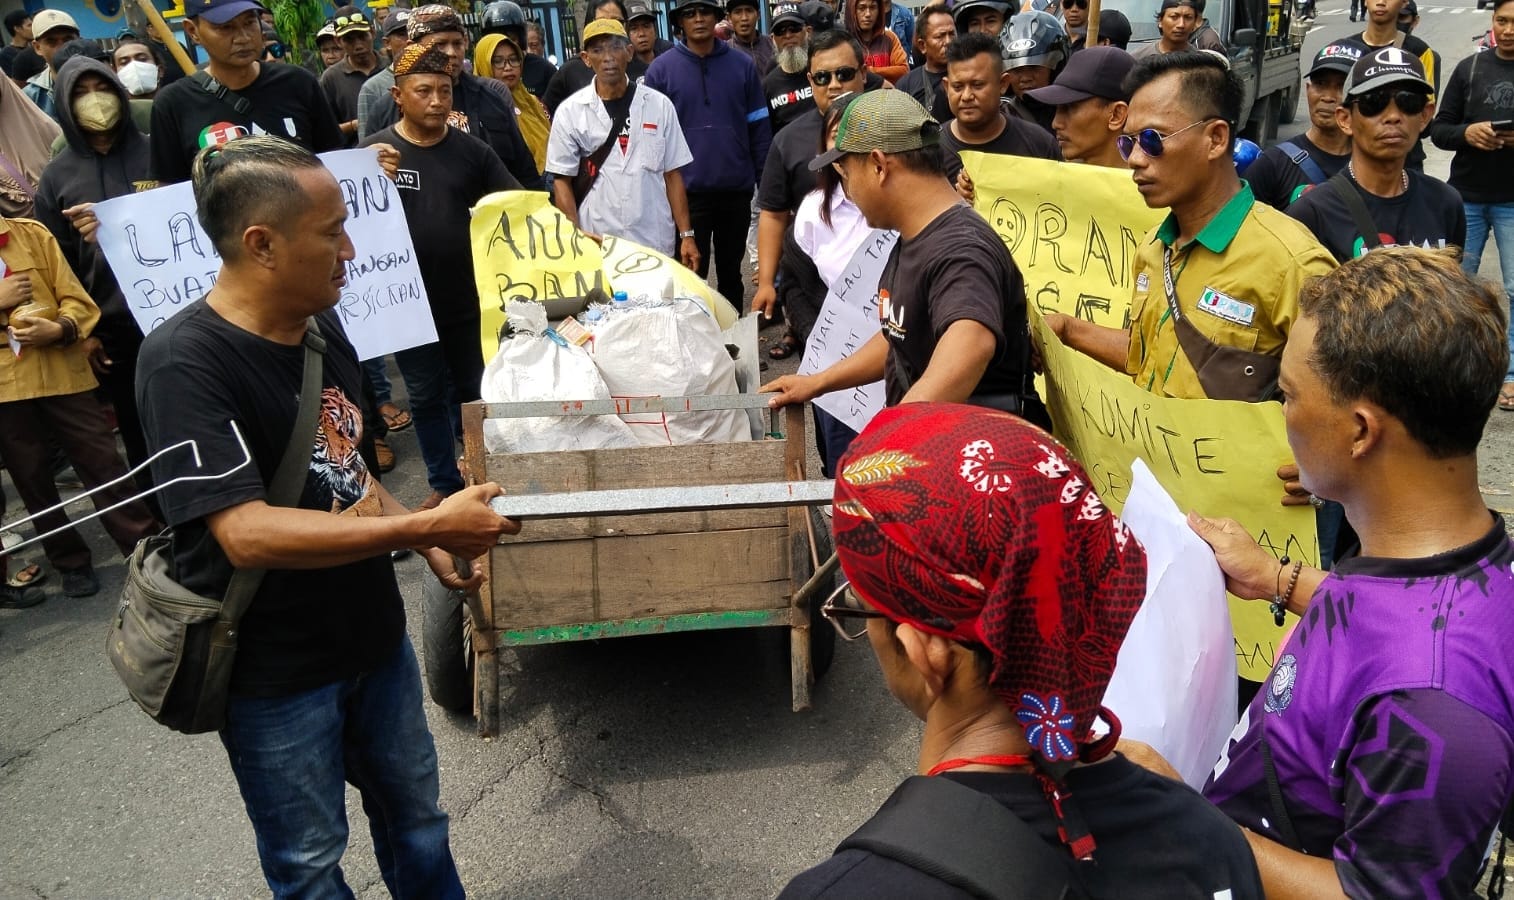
<point>437,186</point>
<point>789,97</point>
<point>1277,180</point>
<point>1429,214</point>
<point>955,268</point>
<point>285,101</point>
<point>198,372</point>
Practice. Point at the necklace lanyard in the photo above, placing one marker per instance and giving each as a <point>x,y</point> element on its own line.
<point>1013,761</point>
<point>1170,285</point>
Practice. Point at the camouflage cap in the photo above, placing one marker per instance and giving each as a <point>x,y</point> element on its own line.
<point>890,121</point>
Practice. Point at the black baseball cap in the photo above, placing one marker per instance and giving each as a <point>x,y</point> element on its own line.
<point>1390,65</point>
<point>639,9</point>
<point>399,20</point>
<point>219,12</point>
<point>818,15</point>
<point>1091,72</point>
<point>785,13</point>
<point>1336,57</point>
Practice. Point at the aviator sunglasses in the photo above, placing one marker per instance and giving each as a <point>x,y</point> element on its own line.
<point>1371,104</point>
<point>1151,140</point>
<point>822,77</point>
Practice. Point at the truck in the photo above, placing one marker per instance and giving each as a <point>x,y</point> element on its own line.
<point>1264,41</point>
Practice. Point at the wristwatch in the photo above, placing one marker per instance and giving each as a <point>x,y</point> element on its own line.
<point>685,234</point>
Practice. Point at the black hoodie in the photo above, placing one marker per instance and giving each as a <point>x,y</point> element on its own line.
<point>81,175</point>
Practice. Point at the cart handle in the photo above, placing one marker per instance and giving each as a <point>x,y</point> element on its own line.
<point>639,501</point>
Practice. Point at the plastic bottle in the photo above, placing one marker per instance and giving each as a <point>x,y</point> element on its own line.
<point>621,300</point>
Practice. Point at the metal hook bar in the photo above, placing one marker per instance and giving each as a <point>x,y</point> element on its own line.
<point>194,448</point>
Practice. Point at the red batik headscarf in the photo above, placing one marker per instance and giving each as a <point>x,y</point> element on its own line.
<point>976,525</point>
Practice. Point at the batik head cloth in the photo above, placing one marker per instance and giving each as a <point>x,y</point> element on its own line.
<point>976,525</point>
<point>430,19</point>
<point>418,60</point>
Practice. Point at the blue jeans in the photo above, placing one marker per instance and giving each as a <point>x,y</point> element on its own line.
<point>435,412</point>
<point>378,376</point>
<point>1498,219</point>
<point>291,756</point>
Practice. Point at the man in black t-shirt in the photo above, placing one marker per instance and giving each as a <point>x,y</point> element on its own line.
<point>1381,32</point>
<point>934,29</point>
<point>325,687</point>
<point>1386,108</point>
<point>951,299</point>
<point>1286,170</point>
<point>787,84</point>
<point>975,85</point>
<point>786,176</point>
<point>481,107</point>
<point>285,101</point>
<point>442,174</point>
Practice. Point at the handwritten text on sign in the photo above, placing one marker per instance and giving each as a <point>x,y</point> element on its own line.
<point>524,249</point>
<point>1215,457</point>
<point>1073,230</point>
<point>848,319</point>
<point>164,261</point>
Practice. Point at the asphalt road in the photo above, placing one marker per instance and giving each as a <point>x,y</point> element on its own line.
<point>648,767</point>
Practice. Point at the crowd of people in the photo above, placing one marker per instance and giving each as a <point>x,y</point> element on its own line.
<point>1326,274</point>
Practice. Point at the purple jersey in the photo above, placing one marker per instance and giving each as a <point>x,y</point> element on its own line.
<point>1390,717</point>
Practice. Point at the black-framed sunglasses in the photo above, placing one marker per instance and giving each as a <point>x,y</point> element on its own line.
<point>1374,103</point>
<point>787,28</point>
<point>843,604</point>
<point>822,77</point>
<point>1069,4</point>
<point>1151,141</point>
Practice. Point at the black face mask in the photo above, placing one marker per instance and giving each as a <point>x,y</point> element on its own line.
<point>1407,27</point>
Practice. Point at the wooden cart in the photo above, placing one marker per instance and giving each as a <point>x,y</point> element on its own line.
<point>574,579</point>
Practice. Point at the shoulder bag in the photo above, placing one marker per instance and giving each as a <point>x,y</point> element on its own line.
<point>171,647</point>
<point>1225,373</point>
<point>1360,216</point>
<point>588,169</point>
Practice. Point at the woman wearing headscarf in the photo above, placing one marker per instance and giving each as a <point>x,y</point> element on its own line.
<point>995,590</point>
<point>497,56</point>
<point>26,136</point>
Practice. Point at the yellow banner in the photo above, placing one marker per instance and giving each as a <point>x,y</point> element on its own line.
<point>1073,230</point>
<point>524,249</point>
<point>1215,457</point>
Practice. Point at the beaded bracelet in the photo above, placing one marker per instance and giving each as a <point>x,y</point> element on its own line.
<point>1279,605</point>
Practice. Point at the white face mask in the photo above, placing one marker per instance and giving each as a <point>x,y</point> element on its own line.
<point>139,77</point>
<point>98,111</point>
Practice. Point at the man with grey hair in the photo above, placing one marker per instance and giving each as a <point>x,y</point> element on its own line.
<point>325,688</point>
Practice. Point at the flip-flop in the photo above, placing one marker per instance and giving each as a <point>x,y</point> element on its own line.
<point>395,419</point>
<point>1506,397</point>
<point>27,576</point>
<point>787,346</point>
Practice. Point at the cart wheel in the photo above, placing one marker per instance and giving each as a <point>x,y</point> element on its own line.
<point>822,635</point>
<point>449,651</point>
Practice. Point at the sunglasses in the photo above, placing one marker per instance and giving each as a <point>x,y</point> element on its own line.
<point>842,608</point>
<point>1152,141</point>
<point>344,21</point>
<point>1410,103</point>
<point>822,77</point>
<point>1069,4</point>
<point>787,28</point>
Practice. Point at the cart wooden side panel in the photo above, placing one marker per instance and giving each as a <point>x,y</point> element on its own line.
<point>585,578</point>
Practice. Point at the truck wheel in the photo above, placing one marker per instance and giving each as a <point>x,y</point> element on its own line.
<point>448,649</point>
<point>1288,111</point>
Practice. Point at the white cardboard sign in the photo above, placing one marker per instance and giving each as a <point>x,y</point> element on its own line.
<point>848,319</point>
<point>164,261</point>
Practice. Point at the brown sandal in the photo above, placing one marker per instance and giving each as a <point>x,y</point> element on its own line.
<point>395,419</point>
<point>787,346</point>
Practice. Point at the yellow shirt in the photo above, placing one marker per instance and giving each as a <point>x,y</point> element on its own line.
<point>1237,281</point>
<point>27,247</point>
